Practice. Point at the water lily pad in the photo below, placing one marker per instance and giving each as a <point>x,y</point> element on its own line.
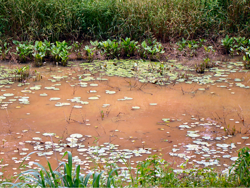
<point>193,135</point>
<point>8,94</point>
<point>110,92</point>
<point>93,98</point>
<point>43,95</point>
<point>105,105</point>
<point>136,107</point>
<point>54,99</point>
<point>233,158</point>
<point>245,138</point>
<point>76,135</point>
<point>93,85</point>
<point>48,134</point>
<point>152,104</point>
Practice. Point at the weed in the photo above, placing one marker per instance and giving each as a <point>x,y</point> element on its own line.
<point>129,47</point>
<point>39,53</point>
<point>152,50</point>
<point>246,58</point>
<point>227,42</point>
<point>71,177</point>
<point>4,50</point>
<point>230,131</point>
<point>60,52</point>
<point>22,73</point>
<point>23,50</point>
<point>111,49</point>
<point>90,53</point>
<point>241,167</point>
<point>200,68</point>
<point>77,49</point>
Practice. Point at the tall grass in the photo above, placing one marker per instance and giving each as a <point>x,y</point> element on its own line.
<point>137,19</point>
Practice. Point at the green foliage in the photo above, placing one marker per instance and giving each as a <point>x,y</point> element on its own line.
<point>151,50</point>
<point>90,53</point>
<point>241,167</point>
<point>235,45</point>
<point>39,52</point>
<point>4,49</point>
<point>189,47</point>
<point>152,172</point>
<point>71,177</point>
<point>23,50</point>
<point>129,46</point>
<point>60,52</point>
<point>246,58</point>
<point>77,49</point>
<point>227,42</point>
<point>238,46</point>
<point>22,72</point>
<point>110,48</point>
<point>103,19</point>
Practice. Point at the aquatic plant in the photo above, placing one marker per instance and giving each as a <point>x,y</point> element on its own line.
<point>110,48</point>
<point>90,53</point>
<point>150,49</point>
<point>129,46</point>
<point>23,50</point>
<point>60,52</point>
<point>77,49</point>
<point>235,45</point>
<point>23,72</point>
<point>189,47</point>
<point>200,68</point>
<point>227,42</point>
<point>39,52</point>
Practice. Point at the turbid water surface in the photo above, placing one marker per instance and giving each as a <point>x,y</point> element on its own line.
<point>122,114</point>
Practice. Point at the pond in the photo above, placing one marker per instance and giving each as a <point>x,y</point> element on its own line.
<point>124,111</point>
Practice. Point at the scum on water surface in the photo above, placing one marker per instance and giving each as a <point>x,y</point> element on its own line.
<point>117,111</point>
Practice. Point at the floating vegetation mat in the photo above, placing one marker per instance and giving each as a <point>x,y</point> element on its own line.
<point>122,111</point>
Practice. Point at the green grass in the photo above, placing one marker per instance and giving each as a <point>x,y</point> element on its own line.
<point>137,19</point>
<point>152,172</point>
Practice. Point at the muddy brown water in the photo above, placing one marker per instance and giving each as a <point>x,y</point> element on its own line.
<point>119,124</point>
